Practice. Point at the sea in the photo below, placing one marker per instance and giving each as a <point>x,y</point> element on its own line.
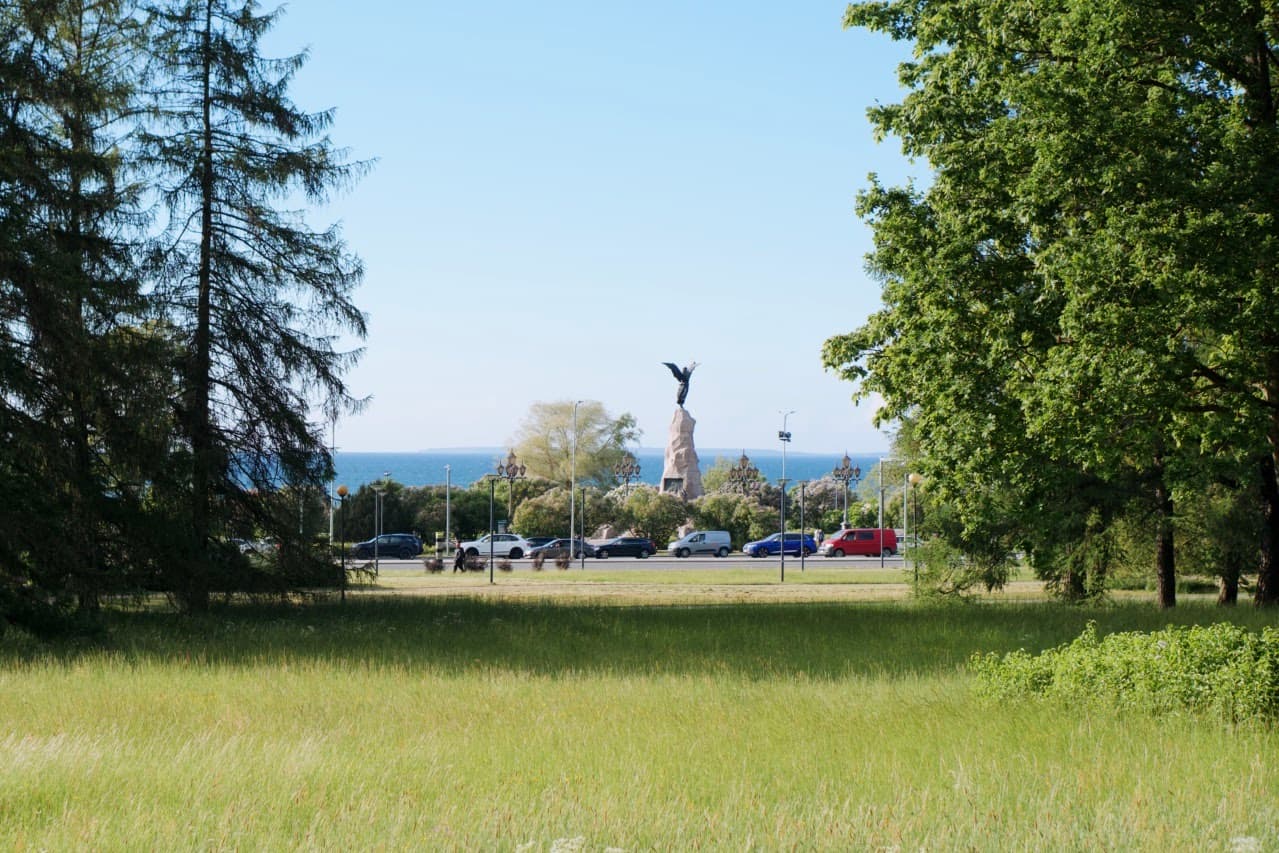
<point>466,465</point>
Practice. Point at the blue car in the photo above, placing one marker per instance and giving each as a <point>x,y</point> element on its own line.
<point>773,544</point>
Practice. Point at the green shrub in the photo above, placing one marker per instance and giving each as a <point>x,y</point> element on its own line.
<point>1219,669</point>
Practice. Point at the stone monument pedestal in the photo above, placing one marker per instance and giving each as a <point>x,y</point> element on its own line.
<point>680,473</point>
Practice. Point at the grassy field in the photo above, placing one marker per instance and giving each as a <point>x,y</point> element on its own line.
<point>492,719</point>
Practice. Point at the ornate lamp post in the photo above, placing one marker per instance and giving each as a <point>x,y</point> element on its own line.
<point>628,469</point>
<point>845,474</point>
<point>744,477</point>
<point>342,493</point>
<point>379,488</point>
<point>510,471</point>
<point>784,436</point>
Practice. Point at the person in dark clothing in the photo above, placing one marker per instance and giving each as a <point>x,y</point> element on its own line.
<point>459,562</point>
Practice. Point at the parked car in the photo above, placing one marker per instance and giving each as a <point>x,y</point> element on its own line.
<point>773,545</point>
<point>557,548</point>
<point>860,541</point>
<point>534,541</point>
<point>510,545</point>
<point>399,545</point>
<point>626,546</point>
<point>716,542</point>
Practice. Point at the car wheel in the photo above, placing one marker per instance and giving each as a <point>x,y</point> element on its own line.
<point>516,553</point>
<point>808,552</point>
<point>837,552</point>
<point>757,552</point>
<point>682,552</point>
<point>888,552</point>
<point>602,553</point>
<point>643,554</point>
<point>472,552</point>
<point>722,553</point>
<point>404,553</point>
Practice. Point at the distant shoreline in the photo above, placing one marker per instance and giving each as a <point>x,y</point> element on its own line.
<point>702,452</point>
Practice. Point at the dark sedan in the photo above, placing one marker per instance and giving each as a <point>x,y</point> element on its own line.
<point>626,546</point>
<point>557,548</point>
<point>401,545</point>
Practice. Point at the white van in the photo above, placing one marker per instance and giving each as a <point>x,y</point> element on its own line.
<point>715,542</point>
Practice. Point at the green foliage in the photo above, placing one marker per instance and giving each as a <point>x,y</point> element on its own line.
<point>545,515</point>
<point>941,569</point>
<point>655,514</point>
<point>258,296</point>
<point>1221,670</point>
<point>550,449</point>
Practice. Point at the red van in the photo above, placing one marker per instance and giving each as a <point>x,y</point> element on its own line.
<point>860,542</point>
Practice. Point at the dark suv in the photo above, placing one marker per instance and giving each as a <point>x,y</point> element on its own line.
<point>400,545</point>
<point>626,546</point>
<point>773,544</point>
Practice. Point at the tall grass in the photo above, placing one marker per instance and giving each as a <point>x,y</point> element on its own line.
<point>463,724</point>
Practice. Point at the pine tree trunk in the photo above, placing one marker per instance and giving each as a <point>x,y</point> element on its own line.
<point>1268,571</point>
<point>197,581</point>
<point>1228,589</point>
<point>1165,558</point>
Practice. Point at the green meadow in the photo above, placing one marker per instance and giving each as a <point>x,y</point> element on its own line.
<point>474,721</point>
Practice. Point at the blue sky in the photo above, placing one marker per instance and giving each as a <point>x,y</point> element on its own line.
<point>568,194</point>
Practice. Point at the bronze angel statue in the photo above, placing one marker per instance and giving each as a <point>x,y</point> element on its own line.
<point>682,376</point>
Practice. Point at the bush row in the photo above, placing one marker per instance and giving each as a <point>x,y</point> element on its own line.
<point>1220,669</point>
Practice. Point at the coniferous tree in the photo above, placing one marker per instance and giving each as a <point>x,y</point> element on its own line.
<point>67,220</point>
<point>256,293</point>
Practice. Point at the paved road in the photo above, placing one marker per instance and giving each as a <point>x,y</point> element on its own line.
<point>663,562</point>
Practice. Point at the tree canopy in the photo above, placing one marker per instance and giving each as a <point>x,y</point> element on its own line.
<point>547,445</point>
<point>168,317</point>
<point>1080,312</point>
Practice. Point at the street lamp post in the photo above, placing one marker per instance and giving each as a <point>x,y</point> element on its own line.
<point>378,502</point>
<point>802,550</point>
<point>884,460</point>
<point>572,478</point>
<point>581,543</point>
<point>784,437</point>
<point>510,471</point>
<point>628,469</point>
<point>492,478</point>
<point>844,474</point>
<point>342,493</point>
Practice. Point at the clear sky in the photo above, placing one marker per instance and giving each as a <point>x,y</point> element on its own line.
<point>569,193</point>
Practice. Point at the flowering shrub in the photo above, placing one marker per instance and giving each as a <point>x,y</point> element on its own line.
<point>1220,669</point>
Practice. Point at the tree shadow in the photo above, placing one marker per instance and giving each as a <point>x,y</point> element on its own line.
<point>755,641</point>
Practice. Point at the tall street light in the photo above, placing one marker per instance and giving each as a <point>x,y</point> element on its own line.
<point>510,471</point>
<point>572,477</point>
<point>448,508</point>
<point>378,503</point>
<point>627,469</point>
<point>883,461</point>
<point>342,493</point>
<point>802,506</point>
<point>333,452</point>
<point>914,480</point>
<point>845,474</point>
<point>784,437</point>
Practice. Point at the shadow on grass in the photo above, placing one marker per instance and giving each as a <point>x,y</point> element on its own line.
<point>753,640</point>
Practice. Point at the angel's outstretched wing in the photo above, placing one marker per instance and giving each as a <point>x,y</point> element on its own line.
<point>677,372</point>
